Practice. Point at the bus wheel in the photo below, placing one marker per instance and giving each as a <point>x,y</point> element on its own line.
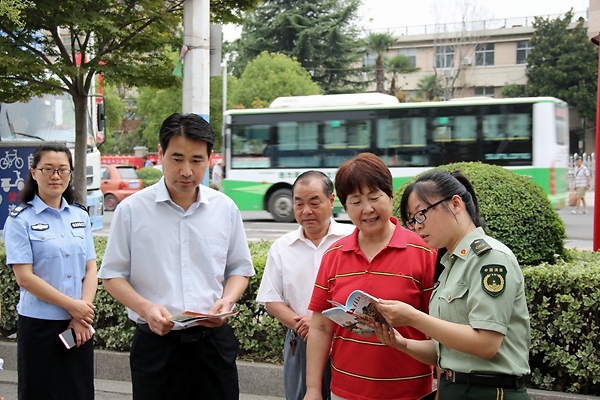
<point>281,207</point>
<point>110,202</point>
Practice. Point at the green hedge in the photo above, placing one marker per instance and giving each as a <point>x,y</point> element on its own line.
<point>563,298</point>
<point>517,212</point>
<point>149,175</point>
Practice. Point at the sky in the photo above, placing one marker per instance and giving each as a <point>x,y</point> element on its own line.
<point>389,14</point>
<point>381,14</point>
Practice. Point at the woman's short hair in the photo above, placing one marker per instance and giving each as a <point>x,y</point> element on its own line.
<point>364,170</point>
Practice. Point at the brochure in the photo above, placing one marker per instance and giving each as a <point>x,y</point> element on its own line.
<point>357,314</point>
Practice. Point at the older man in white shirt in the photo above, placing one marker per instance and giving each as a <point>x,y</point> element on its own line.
<point>289,276</point>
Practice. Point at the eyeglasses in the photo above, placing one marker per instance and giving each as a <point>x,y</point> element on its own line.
<point>51,171</point>
<point>420,216</point>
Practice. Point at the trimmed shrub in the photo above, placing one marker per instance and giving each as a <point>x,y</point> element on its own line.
<point>564,304</point>
<point>149,175</point>
<point>517,212</point>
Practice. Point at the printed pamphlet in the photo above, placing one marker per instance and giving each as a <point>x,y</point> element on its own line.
<point>191,318</point>
<point>357,315</point>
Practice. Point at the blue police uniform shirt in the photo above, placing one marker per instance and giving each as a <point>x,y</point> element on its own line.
<point>58,243</point>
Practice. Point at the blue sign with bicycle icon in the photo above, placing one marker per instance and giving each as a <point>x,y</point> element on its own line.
<point>15,161</point>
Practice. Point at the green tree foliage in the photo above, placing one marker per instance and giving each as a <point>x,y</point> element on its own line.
<point>12,9</point>
<point>124,40</point>
<point>155,105</point>
<point>514,91</point>
<point>429,88</point>
<point>120,39</point>
<point>379,43</point>
<point>321,35</point>
<point>397,65</point>
<point>564,63</point>
<point>270,76</point>
<point>515,210</point>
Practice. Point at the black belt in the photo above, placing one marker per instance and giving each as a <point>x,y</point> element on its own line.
<point>189,335</point>
<point>487,380</point>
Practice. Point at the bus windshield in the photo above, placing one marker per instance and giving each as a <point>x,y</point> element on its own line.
<point>50,118</point>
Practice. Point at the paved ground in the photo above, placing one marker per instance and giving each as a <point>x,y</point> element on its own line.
<point>105,390</point>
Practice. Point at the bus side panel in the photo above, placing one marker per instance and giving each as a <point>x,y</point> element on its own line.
<point>247,195</point>
<point>551,150</point>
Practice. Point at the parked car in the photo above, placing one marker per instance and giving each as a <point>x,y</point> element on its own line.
<point>118,182</point>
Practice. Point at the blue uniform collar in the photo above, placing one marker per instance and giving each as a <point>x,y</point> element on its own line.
<point>39,205</point>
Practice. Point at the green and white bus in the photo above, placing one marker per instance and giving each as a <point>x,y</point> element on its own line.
<point>266,149</point>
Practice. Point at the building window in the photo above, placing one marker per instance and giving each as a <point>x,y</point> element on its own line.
<point>484,54</point>
<point>369,59</point>
<point>444,57</point>
<point>411,54</point>
<point>523,50</point>
<point>484,91</point>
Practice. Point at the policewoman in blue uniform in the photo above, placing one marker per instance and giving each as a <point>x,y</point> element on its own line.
<point>478,322</point>
<point>50,248</point>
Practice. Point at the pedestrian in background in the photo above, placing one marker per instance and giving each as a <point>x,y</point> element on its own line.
<point>289,276</point>
<point>478,323</point>
<point>50,248</point>
<point>582,184</point>
<point>385,260</point>
<point>179,246</point>
<point>217,175</point>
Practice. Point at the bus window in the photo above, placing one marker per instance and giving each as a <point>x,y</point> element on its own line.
<point>519,126</point>
<point>493,127</point>
<point>248,144</point>
<point>465,128</point>
<point>335,134</point>
<point>359,135</point>
<point>297,136</point>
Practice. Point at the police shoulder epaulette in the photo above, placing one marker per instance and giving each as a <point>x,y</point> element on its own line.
<point>17,210</point>
<point>480,247</point>
<point>84,208</point>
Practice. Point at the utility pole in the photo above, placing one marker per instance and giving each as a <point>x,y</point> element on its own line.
<point>596,242</point>
<point>196,73</point>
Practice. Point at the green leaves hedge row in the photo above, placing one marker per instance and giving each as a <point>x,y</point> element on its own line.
<point>563,298</point>
<point>517,212</point>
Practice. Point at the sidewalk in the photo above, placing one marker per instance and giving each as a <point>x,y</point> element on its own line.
<point>258,381</point>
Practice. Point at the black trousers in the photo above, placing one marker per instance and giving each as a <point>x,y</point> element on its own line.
<point>165,367</point>
<point>460,391</point>
<point>46,369</point>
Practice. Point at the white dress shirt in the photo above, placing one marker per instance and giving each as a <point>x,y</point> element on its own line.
<point>292,265</point>
<point>178,259</point>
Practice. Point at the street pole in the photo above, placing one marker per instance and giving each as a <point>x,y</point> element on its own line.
<point>224,103</point>
<point>196,73</point>
<point>596,242</point>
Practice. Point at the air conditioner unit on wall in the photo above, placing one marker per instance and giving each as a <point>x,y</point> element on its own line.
<point>466,61</point>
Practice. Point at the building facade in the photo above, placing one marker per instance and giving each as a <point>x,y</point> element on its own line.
<point>480,59</point>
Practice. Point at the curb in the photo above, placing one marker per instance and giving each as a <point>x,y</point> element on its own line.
<point>112,368</point>
<point>112,374</point>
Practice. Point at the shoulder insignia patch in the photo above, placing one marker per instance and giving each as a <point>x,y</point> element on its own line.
<point>493,279</point>
<point>84,208</point>
<point>17,210</point>
<point>480,246</point>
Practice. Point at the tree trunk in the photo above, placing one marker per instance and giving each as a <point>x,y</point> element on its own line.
<point>379,74</point>
<point>79,175</point>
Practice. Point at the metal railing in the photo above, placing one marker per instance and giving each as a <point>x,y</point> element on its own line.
<point>498,23</point>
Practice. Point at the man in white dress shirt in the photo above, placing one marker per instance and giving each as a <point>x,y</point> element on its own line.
<point>179,246</point>
<point>289,275</point>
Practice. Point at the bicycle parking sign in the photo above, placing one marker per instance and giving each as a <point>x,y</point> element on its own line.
<point>15,161</point>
